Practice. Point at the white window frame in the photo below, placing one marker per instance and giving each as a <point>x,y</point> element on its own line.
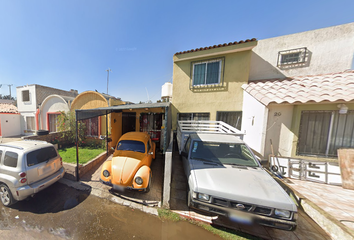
<point>301,58</point>
<point>206,71</point>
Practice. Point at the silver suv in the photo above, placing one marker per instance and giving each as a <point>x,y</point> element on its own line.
<point>27,167</point>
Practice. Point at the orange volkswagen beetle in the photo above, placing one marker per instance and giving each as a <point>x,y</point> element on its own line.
<point>130,165</point>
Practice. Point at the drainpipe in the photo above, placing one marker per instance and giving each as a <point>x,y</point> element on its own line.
<point>37,119</point>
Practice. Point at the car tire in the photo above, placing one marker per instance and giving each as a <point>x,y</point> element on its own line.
<point>189,198</point>
<point>6,196</point>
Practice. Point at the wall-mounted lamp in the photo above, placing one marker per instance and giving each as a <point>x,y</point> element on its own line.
<point>343,109</point>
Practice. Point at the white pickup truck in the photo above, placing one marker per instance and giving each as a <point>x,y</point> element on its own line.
<point>225,178</point>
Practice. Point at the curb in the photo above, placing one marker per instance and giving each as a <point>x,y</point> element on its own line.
<point>106,195</point>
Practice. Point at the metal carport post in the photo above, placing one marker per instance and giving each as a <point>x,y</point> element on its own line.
<point>81,114</point>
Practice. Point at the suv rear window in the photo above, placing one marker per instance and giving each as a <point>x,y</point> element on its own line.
<point>41,155</point>
<point>10,159</point>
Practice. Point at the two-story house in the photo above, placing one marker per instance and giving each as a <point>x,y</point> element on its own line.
<point>39,106</point>
<point>300,98</point>
<point>207,82</point>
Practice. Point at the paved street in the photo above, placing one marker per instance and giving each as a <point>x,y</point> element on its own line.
<point>61,212</point>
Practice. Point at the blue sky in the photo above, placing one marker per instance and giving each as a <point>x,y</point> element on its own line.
<point>69,44</point>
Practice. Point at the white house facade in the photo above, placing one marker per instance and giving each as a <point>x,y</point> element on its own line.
<point>293,77</point>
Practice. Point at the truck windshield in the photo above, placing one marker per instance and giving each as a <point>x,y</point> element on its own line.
<point>130,145</point>
<point>224,153</point>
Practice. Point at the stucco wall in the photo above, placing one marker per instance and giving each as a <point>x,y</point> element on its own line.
<point>90,100</point>
<point>10,124</point>
<point>228,97</point>
<point>279,130</point>
<point>331,50</point>
<point>254,120</point>
<point>51,104</point>
<point>28,106</point>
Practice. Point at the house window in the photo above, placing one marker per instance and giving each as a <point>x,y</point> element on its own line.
<point>321,133</point>
<point>52,122</point>
<point>92,128</point>
<point>194,116</point>
<point>25,96</point>
<point>30,123</point>
<point>292,57</point>
<point>207,72</point>
<point>232,118</point>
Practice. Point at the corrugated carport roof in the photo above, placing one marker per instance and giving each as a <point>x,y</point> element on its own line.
<point>82,114</point>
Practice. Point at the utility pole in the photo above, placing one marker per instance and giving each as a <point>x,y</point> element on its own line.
<point>108,70</point>
<point>9,88</point>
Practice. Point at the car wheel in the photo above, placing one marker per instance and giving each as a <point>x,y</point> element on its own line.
<point>6,196</point>
<point>148,187</point>
<point>189,198</point>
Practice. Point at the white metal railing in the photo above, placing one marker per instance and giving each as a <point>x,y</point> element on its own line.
<point>307,170</point>
<point>185,128</point>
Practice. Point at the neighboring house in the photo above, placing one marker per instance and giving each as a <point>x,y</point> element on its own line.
<point>9,120</point>
<point>299,100</point>
<point>29,102</point>
<point>90,100</point>
<point>207,82</point>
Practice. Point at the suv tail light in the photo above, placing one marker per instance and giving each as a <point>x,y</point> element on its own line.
<point>23,177</point>
<point>61,161</point>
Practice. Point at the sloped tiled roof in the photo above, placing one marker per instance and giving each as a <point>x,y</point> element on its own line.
<point>319,88</point>
<point>216,46</point>
<point>8,108</point>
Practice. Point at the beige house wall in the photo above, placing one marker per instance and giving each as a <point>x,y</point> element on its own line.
<point>224,97</point>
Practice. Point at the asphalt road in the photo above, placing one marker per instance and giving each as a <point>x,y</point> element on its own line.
<point>61,212</point>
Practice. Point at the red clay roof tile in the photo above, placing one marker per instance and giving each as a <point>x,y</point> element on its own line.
<point>330,87</point>
<point>8,108</point>
<point>216,46</point>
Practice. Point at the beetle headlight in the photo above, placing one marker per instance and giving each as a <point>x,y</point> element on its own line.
<point>139,180</point>
<point>203,197</point>
<point>282,213</point>
<point>105,173</point>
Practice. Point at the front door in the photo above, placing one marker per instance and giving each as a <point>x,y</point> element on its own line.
<point>128,122</point>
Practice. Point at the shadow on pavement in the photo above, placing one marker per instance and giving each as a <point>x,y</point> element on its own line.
<point>55,198</point>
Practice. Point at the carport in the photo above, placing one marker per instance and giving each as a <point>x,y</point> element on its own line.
<point>155,118</point>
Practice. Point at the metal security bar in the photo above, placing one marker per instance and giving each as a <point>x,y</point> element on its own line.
<point>323,132</point>
<point>292,56</point>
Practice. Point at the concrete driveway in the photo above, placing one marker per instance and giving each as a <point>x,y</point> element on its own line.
<point>10,139</point>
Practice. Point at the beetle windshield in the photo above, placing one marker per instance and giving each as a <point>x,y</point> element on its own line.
<point>224,153</point>
<point>131,145</point>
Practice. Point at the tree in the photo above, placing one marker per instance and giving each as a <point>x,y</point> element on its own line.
<point>66,124</point>
<point>6,97</point>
